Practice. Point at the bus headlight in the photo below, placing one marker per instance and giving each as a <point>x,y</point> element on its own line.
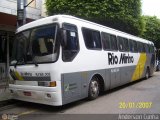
<point>53,84</point>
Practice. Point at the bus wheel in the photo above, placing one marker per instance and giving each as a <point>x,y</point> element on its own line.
<point>147,74</point>
<point>93,89</point>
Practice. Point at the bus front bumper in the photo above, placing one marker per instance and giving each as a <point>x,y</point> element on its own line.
<point>36,94</point>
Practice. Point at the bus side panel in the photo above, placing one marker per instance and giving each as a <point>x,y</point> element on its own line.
<point>107,79</point>
<point>115,77</point>
<point>121,75</point>
<point>71,87</point>
<point>145,60</point>
<point>126,74</point>
<point>75,85</point>
<point>150,62</point>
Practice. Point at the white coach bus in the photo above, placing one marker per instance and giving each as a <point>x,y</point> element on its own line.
<point>61,59</point>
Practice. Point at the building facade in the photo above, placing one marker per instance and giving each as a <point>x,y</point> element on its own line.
<point>8,25</point>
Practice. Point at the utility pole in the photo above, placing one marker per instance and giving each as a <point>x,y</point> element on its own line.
<point>21,11</point>
<point>24,11</point>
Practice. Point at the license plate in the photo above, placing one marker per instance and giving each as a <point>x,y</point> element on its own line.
<point>27,93</point>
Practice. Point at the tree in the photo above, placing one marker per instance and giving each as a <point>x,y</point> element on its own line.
<point>124,15</point>
<point>152,30</point>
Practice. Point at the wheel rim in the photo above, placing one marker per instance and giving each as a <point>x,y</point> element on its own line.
<point>94,88</point>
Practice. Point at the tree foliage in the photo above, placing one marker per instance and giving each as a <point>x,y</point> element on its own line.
<point>152,30</point>
<point>124,15</point>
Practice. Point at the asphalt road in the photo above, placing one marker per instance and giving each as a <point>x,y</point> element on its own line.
<point>141,97</point>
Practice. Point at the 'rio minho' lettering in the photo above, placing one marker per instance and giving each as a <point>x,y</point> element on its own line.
<point>124,59</point>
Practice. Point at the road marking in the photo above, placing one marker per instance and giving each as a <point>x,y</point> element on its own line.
<point>27,112</point>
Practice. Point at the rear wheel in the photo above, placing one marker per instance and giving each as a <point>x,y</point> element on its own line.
<point>147,74</point>
<point>94,88</point>
<point>158,67</point>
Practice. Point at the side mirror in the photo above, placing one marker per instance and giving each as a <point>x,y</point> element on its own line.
<point>63,37</point>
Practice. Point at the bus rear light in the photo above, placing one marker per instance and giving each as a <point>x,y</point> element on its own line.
<point>53,84</point>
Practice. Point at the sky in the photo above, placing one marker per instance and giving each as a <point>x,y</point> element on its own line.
<point>151,7</point>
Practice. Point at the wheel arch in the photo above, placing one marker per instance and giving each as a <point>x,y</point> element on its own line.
<point>100,80</point>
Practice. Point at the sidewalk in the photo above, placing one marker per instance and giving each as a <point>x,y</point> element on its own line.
<point>5,96</point>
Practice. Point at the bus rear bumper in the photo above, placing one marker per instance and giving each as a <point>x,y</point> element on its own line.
<point>45,95</point>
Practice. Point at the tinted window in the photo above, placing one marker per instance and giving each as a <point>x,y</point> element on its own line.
<point>120,44</point>
<point>36,45</point>
<point>113,40</point>
<point>141,47</point>
<point>43,41</point>
<point>131,46</point>
<point>147,48</point>
<point>123,44</point>
<point>91,38</point>
<point>135,46</point>
<point>71,48</point>
<point>126,46</point>
<point>106,41</point>
<point>151,49</point>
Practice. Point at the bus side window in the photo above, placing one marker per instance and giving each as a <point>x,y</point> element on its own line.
<point>123,44</point>
<point>71,49</point>
<point>131,46</point>
<point>143,48</point>
<point>147,48</point>
<point>120,44</point>
<point>113,40</point>
<point>151,49</point>
<point>92,39</point>
<point>139,47</point>
<point>106,41</point>
<point>126,44</point>
<point>135,46</point>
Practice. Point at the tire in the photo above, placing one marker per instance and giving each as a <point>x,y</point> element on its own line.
<point>94,89</point>
<point>147,74</point>
<point>157,69</point>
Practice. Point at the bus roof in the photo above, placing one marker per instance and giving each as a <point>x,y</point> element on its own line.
<point>61,18</point>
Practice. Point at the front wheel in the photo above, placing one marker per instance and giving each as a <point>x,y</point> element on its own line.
<point>93,89</point>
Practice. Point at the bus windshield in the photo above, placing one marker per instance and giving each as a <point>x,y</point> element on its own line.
<point>36,45</point>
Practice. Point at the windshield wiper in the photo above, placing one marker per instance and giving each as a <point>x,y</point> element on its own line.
<point>34,61</point>
<point>19,60</point>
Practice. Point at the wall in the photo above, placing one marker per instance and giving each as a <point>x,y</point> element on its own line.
<point>10,7</point>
